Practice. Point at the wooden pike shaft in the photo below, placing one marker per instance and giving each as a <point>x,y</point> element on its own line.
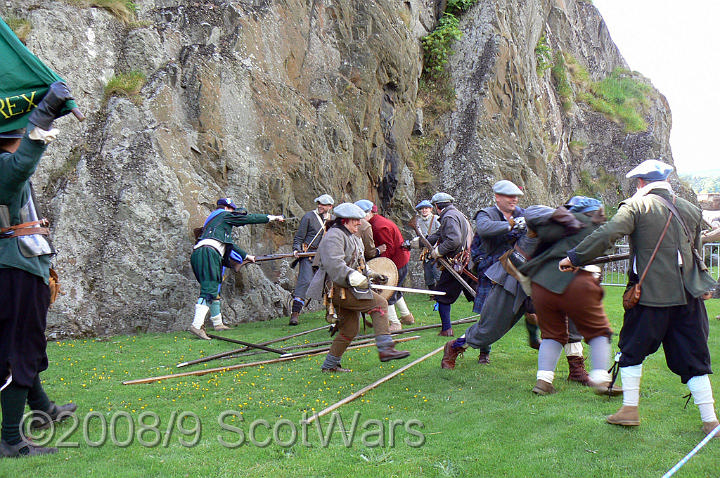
<point>368,336</point>
<point>206,371</point>
<point>245,349</point>
<point>78,114</point>
<point>247,344</point>
<point>364,390</point>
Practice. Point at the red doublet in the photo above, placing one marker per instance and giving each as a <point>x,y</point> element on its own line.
<point>386,232</point>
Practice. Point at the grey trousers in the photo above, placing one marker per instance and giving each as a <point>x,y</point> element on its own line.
<point>305,275</point>
<point>496,319</point>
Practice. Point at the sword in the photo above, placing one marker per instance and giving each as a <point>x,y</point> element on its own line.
<point>407,289</point>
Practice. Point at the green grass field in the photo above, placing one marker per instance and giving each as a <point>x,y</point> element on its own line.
<point>479,421</point>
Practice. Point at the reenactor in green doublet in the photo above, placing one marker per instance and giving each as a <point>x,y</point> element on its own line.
<point>25,254</point>
<point>670,311</point>
<point>558,295</point>
<point>214,250</point>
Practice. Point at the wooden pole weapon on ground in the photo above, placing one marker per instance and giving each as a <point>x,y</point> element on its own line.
<point>444,262</point>
<point>362,337</point>
<point>247,344</point>
<point>245,349</point>
<point>364,390</point>
<point>294,356</point>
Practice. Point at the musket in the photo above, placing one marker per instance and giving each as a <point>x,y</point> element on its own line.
<point>444,262</point>
<point>609,258</point>
<point>274,257</point>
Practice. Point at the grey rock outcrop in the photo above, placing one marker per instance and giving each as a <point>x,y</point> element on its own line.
<point>272,103</point>
<point>509,123</point>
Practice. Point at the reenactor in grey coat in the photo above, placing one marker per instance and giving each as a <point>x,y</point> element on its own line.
<point>670,311</point>
<point>342,281</point>
<point>428,223</point>
<point>450,240</point>
<point>307,238</point>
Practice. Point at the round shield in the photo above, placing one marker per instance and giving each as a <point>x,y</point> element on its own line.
<point>386,267</point>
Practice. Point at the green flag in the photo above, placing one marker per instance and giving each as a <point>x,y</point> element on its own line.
<point>24,81</point>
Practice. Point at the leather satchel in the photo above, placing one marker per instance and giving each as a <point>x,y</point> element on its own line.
<point>631,297</point>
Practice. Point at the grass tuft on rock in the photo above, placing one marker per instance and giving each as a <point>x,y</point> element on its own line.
<point>126,84</point>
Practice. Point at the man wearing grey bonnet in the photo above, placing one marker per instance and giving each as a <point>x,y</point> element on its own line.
<point>346,290</point>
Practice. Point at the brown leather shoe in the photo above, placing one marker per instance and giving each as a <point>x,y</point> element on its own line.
<point>627,416</point>
<point>450,353</point>
<point>578,374</point>
<point>602,389</point>
<point>200,333</point>
<point>294,318</point>
<point>710,426</point>
<point>391,354</point>
<point>407,319</point>
<point>220,327</point>
<point>394,327</point>
<point>543,388</point>
<point>483,358</point>
<point>446,333</point>
<point>337,369</point>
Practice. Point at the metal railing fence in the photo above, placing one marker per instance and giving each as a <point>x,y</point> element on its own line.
<point>615,273</point>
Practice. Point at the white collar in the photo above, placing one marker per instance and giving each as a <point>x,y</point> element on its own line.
<point>643,191</point>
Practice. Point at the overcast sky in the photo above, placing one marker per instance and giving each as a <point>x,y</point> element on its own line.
<point>676,45</point>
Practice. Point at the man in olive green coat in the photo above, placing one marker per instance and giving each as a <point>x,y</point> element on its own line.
<point>215,249</point>
<point>670,312</point>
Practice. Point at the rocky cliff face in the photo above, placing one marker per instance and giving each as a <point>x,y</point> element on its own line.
<point>273,103</point>
<point>509,120</point>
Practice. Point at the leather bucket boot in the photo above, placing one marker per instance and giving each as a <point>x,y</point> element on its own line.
<point>627,416</point>
<point>576,365</point>
<point>450,353</point>
<point>389,353</point>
